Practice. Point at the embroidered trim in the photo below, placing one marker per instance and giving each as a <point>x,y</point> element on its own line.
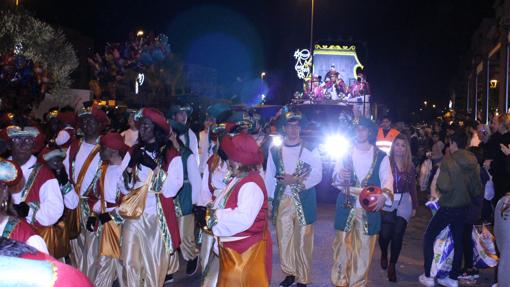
<point>34,205</point>
<point>364,182</point>
<point>155,185</point>
<point>30,182</point>
<point>65,189</point>
<point>9,226</point>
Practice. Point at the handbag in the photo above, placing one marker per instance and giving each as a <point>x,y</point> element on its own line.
<point>109,244</point>
<point>133,204</point>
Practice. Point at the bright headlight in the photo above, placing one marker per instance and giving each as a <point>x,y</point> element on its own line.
<point>336,146</point>
<point>276,140</point>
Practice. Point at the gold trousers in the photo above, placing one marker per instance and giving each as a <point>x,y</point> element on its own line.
<point>189,250</point>
<point>84,253</point>
<point>209,261</point>
<point>352,254</point>
<point>145,261</point>
<point>108,269</point>
<point>243,270</point>
<point>295,242</point>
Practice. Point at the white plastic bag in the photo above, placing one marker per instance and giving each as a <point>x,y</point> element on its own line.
<point>484,248</point>
<point>443,254</point>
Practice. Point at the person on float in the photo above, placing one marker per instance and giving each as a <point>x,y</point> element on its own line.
<point>238,217</point>
<point>24,265</point>
<point>150,233</point>
<point>82,164</point>
<point>181,114</point>
<point>216,114</point>
<point>115,158</point>
<point>385,135</point>
<point>357,229</point>
<point>184,201</point>
<point>11,226</point>
<point>293,170</point>
<point>54,159</point>
<point>37,198</point>
<point>214,180</point>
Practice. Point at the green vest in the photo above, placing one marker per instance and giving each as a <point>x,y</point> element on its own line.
<point>305,200</point>
<point>183,200</point>
<point>372,220</point>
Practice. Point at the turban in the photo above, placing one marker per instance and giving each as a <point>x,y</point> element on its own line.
<point>114,141</point>
<point>155,116</point>
<point>99,115</point>
<point>243,149</point>
<point>174,109</point>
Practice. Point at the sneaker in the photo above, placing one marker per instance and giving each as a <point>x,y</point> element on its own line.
<point>426,281</point>
<point>288,281</point>
<point>301,285</point>
<point>169,278</point>
<point>448,282</point>
<point>192,267</point>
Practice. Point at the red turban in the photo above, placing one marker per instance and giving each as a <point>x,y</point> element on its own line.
<point>155,116</point>
<point>68,118</point>
<point>114,141</point>
<point>98,114</point>
<point>242,148</point>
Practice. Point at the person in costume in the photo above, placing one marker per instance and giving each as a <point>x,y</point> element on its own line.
<point>67,133</point>
<point>180,114</point>
<point>54,159</point>
<point>184,201</point>
<point>115,159</point>
<point>37,199</point>
<point>82,164</point>
<point>239,218</point>
<point>23,265</point>
<point>150,233</point>
<point>334,88</point>
<point>357,229</point>
<point>293,170</point>
<point>11,226</point>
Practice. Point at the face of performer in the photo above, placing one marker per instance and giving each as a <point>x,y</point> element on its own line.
<point>362,134</point>
<point>234,167</point>
<point>146,130</point>
<point>21,148</point>
<point>333,78</point>
<point>386,124</point>
<point>89,126</point>
<point>181,117</point>
<point>292,130</point>
<point>400,147</point>
<point>55,163</point>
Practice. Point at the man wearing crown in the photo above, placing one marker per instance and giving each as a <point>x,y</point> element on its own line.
<point>293,170</point>
<point>357,229</point>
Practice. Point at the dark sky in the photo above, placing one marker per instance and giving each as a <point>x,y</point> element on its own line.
<point>413,48</point>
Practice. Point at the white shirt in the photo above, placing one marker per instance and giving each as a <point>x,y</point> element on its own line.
<point>193,143</point>
<point>362,161</point>
<point>113,182</point>
<point>290,160</point>
<point>203,149</point>
<point>130,137</point>
<point>81,156</point>
<point>217,181</point>
<point>232,221</point>
<point>171,186</point>
<point>51,205</point>
<point>194,178</point>
<point>71,199</point>
<point>35,241</point>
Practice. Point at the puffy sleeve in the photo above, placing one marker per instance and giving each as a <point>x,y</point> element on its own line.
<point>236,220</point>
<point>38,243</point>
<point>386,177</point>
<point>71,198</point>
<point>269,177</point>
<point>51,204</point>
<point>174,179</point>
<point>315,175</point>
<point>205,193</point>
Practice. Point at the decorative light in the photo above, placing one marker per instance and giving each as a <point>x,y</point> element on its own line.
<point>434,106</point>
<point>140,33</point>
<point>303,63</point>
<point>18,48</point>
<point>262,75</point>
<point>450,104</point>
<point>425,103</point>
<point>138,82</point>
<point>493,83</point>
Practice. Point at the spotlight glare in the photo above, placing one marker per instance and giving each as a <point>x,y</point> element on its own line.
<point>336,146</point>
<point>276,140</point>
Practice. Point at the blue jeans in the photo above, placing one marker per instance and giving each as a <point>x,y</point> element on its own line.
<point>445,216</point>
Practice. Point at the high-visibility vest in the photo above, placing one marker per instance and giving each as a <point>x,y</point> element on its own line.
<point>384,142</point>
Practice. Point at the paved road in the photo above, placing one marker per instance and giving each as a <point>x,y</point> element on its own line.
<point>410,262</point>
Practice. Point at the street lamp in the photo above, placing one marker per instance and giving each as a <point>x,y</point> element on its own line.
<point>425,103</point>
<point>140,33</point>
<point>262,75</point>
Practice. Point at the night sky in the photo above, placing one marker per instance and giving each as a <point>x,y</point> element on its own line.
<point>411,49</point>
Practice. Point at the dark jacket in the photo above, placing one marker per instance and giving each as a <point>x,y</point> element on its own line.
<point>459,179</point>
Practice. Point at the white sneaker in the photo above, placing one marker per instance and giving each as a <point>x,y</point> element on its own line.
<point>448,282</point>
<point>426,281</point>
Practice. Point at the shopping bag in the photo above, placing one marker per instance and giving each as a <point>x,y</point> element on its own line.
<point>443,254</point>
<point>484,248</point>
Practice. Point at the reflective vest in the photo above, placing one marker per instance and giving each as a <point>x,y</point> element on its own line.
<point>384,142</point>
